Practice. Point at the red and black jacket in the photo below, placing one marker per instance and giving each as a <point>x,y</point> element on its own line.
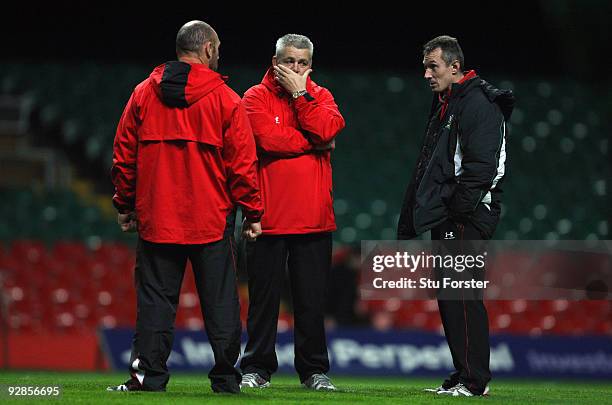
<point>184,156</point>
<point>462,162</point>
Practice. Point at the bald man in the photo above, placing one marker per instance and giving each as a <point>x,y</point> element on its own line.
<point>183,159</point>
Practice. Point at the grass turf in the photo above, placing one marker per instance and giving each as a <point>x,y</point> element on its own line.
<point>89,388</point>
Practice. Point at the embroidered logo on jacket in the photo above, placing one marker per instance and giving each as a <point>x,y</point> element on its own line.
<point>276,120</point>
<point>449,122</point>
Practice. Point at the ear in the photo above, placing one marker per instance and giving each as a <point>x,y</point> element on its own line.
<point>456,66</point>
<point>208,49</point>
<point>274,61</point>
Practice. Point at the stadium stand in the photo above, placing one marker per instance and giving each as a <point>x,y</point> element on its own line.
<point>64,263</point>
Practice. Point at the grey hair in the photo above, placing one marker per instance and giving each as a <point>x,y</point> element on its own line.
<point>450,49</point>
<point>294,40</point>
<point>192,36</point>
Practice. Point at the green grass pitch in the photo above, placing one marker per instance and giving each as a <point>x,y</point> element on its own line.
<point>89,388</point>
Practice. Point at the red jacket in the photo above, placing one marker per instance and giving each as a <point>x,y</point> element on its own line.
<point>295,179</point>
<point>184,156</point>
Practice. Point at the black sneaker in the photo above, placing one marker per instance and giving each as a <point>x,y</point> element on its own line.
<point>130,385</point>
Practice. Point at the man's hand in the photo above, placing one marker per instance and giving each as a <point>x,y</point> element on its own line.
<point>290,80</point>
<point>328,146</point>
<point>251,230</point>
<point>127,222</point>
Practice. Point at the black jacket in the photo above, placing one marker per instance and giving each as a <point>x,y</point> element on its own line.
<point>462,161</point>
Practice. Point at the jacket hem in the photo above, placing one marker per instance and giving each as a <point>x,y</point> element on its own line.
<point>294,231</point>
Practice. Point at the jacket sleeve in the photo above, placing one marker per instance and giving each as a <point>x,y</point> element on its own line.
<point>270,137</point>
<point>125,148</point>
<point>481,133</point>
<point>320,117</point>
<point>240,159</point>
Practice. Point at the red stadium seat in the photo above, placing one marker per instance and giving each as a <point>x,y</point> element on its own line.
<point>70,250</point>
<point>28,251</point>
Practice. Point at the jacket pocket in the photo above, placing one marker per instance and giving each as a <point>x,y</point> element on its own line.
<point>446,192</point>
<point>485,220</point>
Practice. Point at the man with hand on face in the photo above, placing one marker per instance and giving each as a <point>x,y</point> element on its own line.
<point>295,122</point>
<point>183,159</point>
<point>456,191</point>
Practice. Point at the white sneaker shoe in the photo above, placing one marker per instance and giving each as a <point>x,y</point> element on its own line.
<point>461,390</point>
<point>319,382</point>
<point>434,390</point>
<point>253,380</point>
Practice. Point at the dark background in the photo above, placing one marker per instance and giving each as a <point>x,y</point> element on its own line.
<point>552,38</point>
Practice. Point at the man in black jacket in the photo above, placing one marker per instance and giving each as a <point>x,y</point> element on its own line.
<point>455,193</point>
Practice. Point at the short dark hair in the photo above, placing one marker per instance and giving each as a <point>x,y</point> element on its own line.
<point>450,49</point>
<point>192,36</point>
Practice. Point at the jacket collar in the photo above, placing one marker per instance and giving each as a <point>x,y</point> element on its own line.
<point>459,88</point>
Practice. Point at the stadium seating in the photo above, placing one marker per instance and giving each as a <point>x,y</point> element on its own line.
<point>552,128</point>
<point>70,287</point>
<point>66,266</point>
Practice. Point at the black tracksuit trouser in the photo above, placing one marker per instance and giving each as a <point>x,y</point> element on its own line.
<point>465,323</point>
<point>308,259</point>
<point>159,275</point>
